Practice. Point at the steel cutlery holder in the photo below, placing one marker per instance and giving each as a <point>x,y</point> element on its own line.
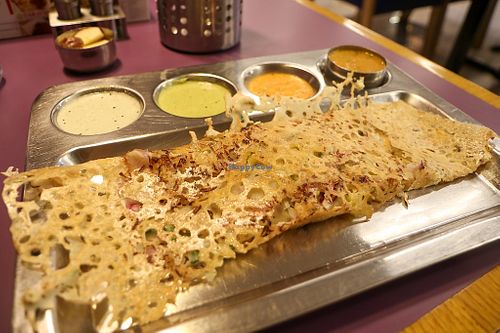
<point>116,22</point>
<point>101,7</point>
<point>201,25</point>
<point>68,9</point>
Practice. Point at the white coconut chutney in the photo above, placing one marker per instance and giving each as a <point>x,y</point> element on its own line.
<point>98,112</point>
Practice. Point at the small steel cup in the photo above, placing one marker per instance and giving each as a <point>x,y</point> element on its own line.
<point>204,77</point>
<point>371,79</point>
<point>280,67</point>
<point>86,60</point>
<point>68,9</point>
<point>101,7</point>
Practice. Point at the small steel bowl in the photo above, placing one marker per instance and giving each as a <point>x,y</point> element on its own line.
<point>99,89</point>
<point>280,67</point>
<point>372,79</point>
<point>205,77</point>
<point>87,60</point>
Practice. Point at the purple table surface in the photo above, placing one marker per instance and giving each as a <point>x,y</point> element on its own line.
<point>269,27</point>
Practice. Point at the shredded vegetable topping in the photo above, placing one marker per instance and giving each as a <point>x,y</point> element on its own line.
<point>136,230</point>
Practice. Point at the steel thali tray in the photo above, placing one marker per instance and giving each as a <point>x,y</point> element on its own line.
<point>302,269</point>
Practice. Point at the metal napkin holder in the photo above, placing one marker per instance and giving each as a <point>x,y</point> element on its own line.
<point>116,22</point>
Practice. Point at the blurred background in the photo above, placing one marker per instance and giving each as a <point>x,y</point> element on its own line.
<point>432,31</point>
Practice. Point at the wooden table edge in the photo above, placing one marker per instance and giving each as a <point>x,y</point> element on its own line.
<point>472,309</point>
<point>469,86</point>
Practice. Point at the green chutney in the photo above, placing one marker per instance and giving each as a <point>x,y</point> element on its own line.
<point>193,99</point>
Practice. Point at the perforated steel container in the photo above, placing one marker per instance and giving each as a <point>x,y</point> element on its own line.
<point>101,7</point>
<point>68,9</point>
<point>199,26</point>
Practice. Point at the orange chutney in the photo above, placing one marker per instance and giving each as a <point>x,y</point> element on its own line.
<point>282,84</point>
<point>357,60</point>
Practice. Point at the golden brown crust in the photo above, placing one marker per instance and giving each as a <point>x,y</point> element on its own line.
<point>139,235</point>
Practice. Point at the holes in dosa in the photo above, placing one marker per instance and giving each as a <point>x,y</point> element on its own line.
<point>94,258</point>
<point>351,188</point>
<point>280,161</point>
<point>255,193</point>
<point>37,216</point>
<point>273,184</point>
<point>85,268</point>
<point>283,212</point>
<point>24,239</point>
<point>34,189</point>
<point>237,188</point>
<point>63,216</point>
<point>132,283</point>
<point>44,204</point>
<point>193,259</point>
<point>203,233</point>
<point>150,234</point>
<point>169,227</point>
<point>19,193</point>
<point>245,238</point>
<point>214,211</point>
<point>318,154</point>
<point>184,232</point>
<point>219,239</point>
<point>168,278</point>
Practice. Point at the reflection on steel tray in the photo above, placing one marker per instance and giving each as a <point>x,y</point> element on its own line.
<point>303,269</point>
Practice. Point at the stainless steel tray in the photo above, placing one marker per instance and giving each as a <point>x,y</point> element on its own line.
<point>301,270</point>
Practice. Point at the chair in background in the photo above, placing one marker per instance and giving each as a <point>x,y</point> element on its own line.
<point>471,32</point>
<point>369,8</point>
